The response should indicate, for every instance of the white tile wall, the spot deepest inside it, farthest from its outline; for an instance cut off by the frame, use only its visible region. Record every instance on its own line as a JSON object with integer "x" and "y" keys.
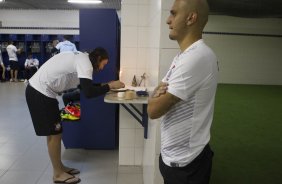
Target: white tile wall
{"x": 127, "y": 138}
{"x": 151, "y": 152}
{"x": 126, "y": 156}
{"x": 130, "y": 57}
{"x": 139, "y": 54}
{"x": 128, "y": 36}
{"x": 125, "y": 121}
{"x": 132, "y": 10}
{"x": 144, "y": 15}
{"x": 39, "y": 18}
{"x": 166, "y": 4}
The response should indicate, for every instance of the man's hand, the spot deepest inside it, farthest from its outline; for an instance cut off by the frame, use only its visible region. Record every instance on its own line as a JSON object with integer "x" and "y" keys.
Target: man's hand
{"x": 160, "y": 90}
{"x": 116, "y": 84}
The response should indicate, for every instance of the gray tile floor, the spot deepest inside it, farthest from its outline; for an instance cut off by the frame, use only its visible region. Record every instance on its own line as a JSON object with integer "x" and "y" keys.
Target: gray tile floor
{"x": 24, "y": 158}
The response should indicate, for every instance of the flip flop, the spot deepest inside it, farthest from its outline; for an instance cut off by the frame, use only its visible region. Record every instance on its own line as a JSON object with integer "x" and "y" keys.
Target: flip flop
{"x": 73, "y": 171}
{"x": 66, "y": 181}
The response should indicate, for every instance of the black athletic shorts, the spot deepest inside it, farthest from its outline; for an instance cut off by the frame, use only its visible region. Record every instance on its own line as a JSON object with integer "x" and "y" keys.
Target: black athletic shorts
{"x": 14, "y": 65}
{"x": 44, "y": 111}
{"x": 197, "y": 172}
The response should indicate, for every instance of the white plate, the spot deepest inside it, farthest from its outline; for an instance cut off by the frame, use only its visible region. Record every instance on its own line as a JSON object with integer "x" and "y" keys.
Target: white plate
{"x": 119, "y": 90}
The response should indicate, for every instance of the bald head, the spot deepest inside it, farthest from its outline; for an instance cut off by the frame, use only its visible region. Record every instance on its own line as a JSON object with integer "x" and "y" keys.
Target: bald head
{"x": 201, "y": 8}
{"x": 187, "y": 20}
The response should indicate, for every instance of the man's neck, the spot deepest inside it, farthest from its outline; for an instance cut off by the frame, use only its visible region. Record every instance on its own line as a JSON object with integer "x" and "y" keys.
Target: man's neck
{"x": 188, "y": 41}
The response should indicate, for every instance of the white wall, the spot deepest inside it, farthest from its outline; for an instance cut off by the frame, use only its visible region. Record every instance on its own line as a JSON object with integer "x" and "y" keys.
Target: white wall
{"x": 247, "y": 59}
{"x": 26, "y": 19}
{"x": 242, "y": 59}
{"x": 140, "y": 40}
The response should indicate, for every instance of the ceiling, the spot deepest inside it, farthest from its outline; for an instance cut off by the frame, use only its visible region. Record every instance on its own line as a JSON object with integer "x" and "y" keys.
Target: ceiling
{"x": 56, "y": 4}
{"x": 239, "y": 8}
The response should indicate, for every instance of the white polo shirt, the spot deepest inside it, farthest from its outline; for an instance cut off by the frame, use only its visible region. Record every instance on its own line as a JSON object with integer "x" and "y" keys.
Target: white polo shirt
{"x": 66, "y": 46}
{"x": 61, "y": 72}
{"x": 12, "y": 52}
{"x": 185, "y": 128}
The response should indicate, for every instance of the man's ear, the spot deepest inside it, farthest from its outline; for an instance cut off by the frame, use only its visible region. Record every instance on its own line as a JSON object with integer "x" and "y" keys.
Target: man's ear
{"x": 192, "y": 17}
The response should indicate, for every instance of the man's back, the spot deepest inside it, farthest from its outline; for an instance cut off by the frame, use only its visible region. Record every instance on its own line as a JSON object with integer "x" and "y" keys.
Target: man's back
{"x": 61, "y": 73}
{"x": 12, "y": 52}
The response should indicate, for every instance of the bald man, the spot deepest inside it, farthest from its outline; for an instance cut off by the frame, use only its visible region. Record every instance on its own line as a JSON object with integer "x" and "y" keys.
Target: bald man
{"x": 185, "y": 98}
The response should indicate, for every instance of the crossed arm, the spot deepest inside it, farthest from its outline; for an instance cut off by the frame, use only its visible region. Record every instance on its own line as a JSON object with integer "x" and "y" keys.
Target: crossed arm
{"x": 161, "y": 101}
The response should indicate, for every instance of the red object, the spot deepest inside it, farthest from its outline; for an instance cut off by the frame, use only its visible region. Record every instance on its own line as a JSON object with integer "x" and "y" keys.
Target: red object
{"x": 73, "y": 110}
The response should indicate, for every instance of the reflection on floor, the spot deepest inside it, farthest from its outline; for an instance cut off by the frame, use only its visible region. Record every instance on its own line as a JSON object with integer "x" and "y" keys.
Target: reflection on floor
{"x": 24, "y": 158}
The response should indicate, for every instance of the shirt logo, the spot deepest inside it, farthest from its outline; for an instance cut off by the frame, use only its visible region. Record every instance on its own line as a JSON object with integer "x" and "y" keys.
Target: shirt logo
{"x": 58, "y": 126}
{"x": 169, "y": 72}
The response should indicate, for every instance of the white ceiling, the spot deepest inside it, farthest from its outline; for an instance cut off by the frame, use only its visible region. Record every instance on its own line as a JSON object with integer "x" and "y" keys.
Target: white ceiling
{"x": 239, "y": 8}
{"x": 56, "y": 4}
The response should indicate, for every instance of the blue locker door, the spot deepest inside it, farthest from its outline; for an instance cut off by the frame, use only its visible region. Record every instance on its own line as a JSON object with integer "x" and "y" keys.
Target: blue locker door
{"x": 99, "y": 123}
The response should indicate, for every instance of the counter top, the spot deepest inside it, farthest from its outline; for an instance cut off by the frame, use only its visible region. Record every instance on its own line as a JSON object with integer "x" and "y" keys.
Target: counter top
{"x": 111, "y": 97}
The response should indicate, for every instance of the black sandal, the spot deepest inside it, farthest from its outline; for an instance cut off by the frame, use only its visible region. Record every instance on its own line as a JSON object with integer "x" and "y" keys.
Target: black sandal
{"x": 73, "y": 171}
{"x": 65, "y": 181}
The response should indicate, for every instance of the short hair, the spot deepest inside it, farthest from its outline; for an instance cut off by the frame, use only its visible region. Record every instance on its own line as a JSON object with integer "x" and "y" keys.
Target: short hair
{"x": 67, "y": 37}
{"x": 97, "y": 55}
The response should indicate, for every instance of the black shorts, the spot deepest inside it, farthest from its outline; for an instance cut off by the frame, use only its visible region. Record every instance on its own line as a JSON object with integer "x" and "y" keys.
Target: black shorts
{"x": 14, "y": 65}
{"x": 44, "y": 111}
{"x": 198, "y": 171}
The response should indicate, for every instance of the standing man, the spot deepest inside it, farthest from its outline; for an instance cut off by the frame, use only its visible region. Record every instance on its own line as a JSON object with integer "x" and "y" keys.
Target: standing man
{"x": 62, "y": 72}
{"x": 12, "y": 53}
{"x": 66, "y": 45}
{"x": 185, "y": 98}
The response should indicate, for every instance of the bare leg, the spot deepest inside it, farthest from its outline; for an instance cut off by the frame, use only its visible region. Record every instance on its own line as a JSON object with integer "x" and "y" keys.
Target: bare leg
{"x": 12, "y": 75}
{"x": 16, "y": 75}
{"x": 54, "y": 149}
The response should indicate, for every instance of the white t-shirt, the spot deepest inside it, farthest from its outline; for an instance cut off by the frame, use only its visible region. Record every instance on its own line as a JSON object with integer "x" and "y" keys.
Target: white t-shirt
{"x": 33, "y": 62}
{"x": 12, "y": 52}
{"x": 185, "y": 128}
{"x": 61, "y": 72}
{"x": 66, "y": 46}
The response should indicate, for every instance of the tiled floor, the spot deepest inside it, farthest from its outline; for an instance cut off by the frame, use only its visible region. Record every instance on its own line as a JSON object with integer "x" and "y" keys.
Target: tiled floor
{"x": 24, "y": 158}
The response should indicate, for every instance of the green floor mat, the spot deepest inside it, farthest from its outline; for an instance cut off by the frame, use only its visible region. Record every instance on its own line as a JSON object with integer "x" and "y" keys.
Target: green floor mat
{"x": 247, "y": 135}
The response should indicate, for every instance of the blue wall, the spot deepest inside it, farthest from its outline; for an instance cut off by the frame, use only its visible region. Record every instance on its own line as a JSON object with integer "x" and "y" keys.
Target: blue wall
{"x": 98, "y": 127}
